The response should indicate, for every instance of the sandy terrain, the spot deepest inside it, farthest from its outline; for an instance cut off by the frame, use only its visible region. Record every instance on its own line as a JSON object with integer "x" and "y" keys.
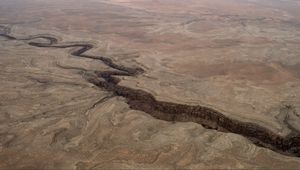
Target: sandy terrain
{"x": 149, "y": 84}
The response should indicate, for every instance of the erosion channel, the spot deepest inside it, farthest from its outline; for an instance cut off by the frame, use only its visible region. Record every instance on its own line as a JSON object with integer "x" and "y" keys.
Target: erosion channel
{"x": 144, "y": 101}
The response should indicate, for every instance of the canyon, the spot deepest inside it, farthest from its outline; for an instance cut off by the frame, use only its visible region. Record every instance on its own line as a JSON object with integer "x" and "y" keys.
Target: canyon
{"x": 149, "y": 84}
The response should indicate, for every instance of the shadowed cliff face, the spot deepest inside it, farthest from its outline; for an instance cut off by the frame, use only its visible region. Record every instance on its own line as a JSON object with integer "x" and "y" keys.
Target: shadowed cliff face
{"x": 144, "y": 101}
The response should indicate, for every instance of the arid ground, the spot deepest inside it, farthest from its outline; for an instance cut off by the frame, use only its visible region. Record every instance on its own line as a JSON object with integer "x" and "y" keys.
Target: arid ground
{"x": 149, "y": 84}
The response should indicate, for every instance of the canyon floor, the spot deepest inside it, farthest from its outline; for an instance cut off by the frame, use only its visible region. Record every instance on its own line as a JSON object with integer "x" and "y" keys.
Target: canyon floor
{"x": 150, "y": 84}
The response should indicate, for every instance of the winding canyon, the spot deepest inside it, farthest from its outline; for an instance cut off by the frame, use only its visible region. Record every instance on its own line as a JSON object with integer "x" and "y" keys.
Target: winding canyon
{"x": 143, "y": 84}
{"x": 143, "y": 101}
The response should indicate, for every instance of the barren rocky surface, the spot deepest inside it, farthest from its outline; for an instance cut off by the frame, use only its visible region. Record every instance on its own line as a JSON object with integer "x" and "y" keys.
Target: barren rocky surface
{"x": 158, "y": 84}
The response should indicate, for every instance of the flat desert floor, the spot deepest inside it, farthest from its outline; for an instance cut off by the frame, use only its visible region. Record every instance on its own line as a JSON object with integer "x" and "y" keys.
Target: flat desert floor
{"x": 149, "y": 84}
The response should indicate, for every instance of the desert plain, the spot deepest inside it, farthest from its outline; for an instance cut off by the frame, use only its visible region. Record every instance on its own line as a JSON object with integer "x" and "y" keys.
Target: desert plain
{"x": 149, "y": 84}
